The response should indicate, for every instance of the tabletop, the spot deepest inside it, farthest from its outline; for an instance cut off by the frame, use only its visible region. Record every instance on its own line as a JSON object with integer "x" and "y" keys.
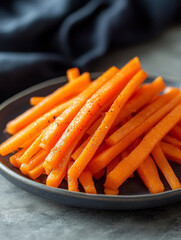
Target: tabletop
{"x": 25, "y": 216}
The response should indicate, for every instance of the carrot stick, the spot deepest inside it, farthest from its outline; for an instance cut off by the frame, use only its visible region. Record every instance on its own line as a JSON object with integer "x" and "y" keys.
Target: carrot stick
{"x": 72, "y": 74}
{"x": 36, "y": 172}
{"x": 79, "y": 150}
{"x": 15, "y": 158}
{"x": 35, "y": 100}
{"x": 124, "y": 154}
{"x": 86, "y": 180}
{"x": 95, "y": 126}
{"x": 56, "y": 176}
{"x": 165, "y": 167}
{"x": 82, "y": 133}
{"x": 176, "y": 132}
{"x": 142, "y": 97}
{"x": 76, "y": 189}
{"x": 97, "y": 101}
{"x": 118, "y": 158}
{"x": 172, "y": 152}
{"x": 15, "y": 162}
{"x": 48, "y": 103}
{"x": 172, "y": 140}
{"x": 30, "y": 141}
{"x": 99, "y": 174}
{"x": 57, "y": 128}
{"x": 129, "y": 164}
{"x": 128, "y": 150}
{"x": 34, "y": 161}
{"x": 148, "y": 172}
{"x": 104, "y": 158}
{"x": 21, "y": 137}
{"x": 32, "y": 150}
{"x": 85, "y": 157}
{"x": 110, "y": 167}
{"x": 109, "y": 191}
{"x": 139, "y": 118}
{"x": 113, "y": 164}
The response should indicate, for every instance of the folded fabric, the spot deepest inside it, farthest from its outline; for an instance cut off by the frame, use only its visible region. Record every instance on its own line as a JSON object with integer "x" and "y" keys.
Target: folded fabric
{"x": 40, "y": 39}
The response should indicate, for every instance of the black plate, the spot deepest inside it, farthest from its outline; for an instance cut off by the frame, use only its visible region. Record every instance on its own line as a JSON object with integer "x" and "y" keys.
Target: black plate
{"x": 133, "y": 193}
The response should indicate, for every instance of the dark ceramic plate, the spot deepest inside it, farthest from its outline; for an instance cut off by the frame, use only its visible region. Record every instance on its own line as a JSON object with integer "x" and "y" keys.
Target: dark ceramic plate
{"x": 133, "y": 194}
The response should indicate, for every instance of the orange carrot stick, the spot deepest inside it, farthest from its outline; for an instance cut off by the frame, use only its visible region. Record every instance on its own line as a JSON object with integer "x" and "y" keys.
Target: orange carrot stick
{"x": 69, "y": 179}
{"x": 110, "y": 167}
{"x": 72, "y": 74}
{"x": 30, "y": 141}
{"x": 85, "y": 157}
{"x": 118, "y": 158}
{"x": 48, "y": 103}
{"x": 165, "y": 167}
{"x": 38, "y": 158}
{"x": 172, "y": 140}
{"x": 147, "y": 170}
{"x": 36, "y": 172}
{"x": 172, "y": 152}
{"x": 99, "y": 99}
{"x": 56, "y": 176}
{"x": 32, "y": 150}
{"x": 139, "y": 118}
{"x": 86, "y": 180}
{"x": 142, "y": 97}
{"x": 104, "y": 158}
{"x": 99, "y": 174}
{"x": 124, "y": 154}
{"x": 109, "y": 191}
{"x": 79, "y": 150}
{"x": 128, "y": 150}
{"x": 15, "y": 158}
{"x": 176, "y": 132}
{"x": 57, "y": 128}
{"x": 35, "y": 100}
{"x": 15, "y": 162}
{"x": 113, "y": 164}
{"x": 31, "y": 130}
{"x": 95, "y": 126}
{"x": 129, "y": 164}
{"x": 78, "y": 139}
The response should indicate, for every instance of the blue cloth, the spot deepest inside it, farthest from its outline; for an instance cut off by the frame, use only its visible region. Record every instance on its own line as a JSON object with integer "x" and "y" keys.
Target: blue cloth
{"x": 39, "y": 39}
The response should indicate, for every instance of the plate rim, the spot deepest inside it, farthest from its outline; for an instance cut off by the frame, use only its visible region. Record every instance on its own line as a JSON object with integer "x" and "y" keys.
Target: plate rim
{"x": 60, "y": 191}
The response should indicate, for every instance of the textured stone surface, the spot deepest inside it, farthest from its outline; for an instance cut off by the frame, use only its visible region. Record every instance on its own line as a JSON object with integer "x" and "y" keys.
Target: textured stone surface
{"x": 25, "y": 216}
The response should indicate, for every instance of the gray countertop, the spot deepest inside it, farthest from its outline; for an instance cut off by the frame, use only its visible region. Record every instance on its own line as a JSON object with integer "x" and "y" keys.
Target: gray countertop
{"x": 25, "y": 216}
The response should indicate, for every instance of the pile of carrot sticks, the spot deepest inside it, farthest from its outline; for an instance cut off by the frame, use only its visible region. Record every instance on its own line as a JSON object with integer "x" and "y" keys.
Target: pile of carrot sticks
{"x": 111, "y": 127}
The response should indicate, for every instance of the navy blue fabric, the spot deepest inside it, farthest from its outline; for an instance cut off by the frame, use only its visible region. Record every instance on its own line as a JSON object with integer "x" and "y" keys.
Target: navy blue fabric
{"x": 39, "y": 39}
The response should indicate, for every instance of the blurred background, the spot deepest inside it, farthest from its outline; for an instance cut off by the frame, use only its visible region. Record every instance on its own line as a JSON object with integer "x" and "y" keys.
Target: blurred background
{"x": 40, "y": 39}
